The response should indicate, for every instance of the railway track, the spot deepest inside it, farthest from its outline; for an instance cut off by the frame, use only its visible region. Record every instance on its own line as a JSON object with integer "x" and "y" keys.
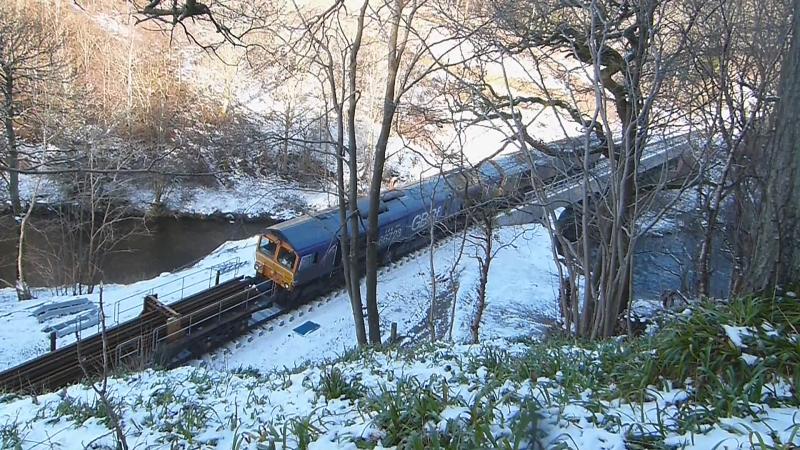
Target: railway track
{"x": 171, "y": 335}
{"x": 290, "y": 318}
{"x": 151, "y": 338}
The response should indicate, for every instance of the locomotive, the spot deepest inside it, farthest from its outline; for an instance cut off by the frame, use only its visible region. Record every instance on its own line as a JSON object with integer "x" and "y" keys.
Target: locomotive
{"x": 300, "y": 252}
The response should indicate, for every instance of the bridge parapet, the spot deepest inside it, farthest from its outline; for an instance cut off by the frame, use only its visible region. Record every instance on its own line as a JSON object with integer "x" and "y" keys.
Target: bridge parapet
{"x": 661, "y": 162}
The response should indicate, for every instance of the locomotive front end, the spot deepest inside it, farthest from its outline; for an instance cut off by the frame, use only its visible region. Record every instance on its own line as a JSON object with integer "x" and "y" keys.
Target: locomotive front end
{"x": 276, "y": 261}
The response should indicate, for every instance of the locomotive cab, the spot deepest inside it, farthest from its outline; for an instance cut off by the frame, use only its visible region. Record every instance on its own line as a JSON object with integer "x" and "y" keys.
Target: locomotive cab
{"x": 276, "y": 260}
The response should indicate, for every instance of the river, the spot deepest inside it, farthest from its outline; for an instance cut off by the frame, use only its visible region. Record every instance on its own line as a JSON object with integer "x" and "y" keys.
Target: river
{"x": 664, "y": 260}
{"x": 161, "y": 245}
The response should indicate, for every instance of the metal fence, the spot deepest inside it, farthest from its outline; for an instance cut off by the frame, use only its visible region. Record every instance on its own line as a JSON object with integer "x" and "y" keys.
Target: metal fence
{"x": 176, "y": 289}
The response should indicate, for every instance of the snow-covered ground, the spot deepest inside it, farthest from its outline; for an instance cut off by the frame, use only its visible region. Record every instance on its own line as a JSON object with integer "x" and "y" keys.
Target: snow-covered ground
{"x": 456, "y": 393}
{"x": 245, "y": 197}
{"x": 521, "y": 298}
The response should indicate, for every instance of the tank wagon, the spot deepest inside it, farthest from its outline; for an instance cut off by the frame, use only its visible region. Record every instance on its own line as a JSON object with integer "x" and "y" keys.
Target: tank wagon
{"x": 300, "y": 252}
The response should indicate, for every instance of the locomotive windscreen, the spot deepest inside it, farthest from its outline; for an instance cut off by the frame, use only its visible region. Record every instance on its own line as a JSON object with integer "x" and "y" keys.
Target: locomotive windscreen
{"x": 268, "y": 247}
{"x": 287, "y": 258}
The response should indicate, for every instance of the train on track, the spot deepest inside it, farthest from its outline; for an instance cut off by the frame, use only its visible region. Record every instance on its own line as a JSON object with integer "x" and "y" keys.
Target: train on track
{"x": 301, "y": 257}
{"x": 294, "y": 260}
{"x": 303, "y": 252}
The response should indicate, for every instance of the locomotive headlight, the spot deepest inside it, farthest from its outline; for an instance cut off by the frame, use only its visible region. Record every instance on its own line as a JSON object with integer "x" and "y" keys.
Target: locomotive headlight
{"x": 259, "y": 266}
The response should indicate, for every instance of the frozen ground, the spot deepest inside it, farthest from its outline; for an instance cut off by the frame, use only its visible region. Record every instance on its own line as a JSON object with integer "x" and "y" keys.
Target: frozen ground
{"x": 521, "y": 298}
{"x": 246, "y": 197}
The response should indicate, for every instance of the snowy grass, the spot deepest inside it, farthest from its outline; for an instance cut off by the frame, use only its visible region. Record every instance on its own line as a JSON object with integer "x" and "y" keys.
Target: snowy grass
{"x": 731, "y": 352}
{"x": 686, "y": 386}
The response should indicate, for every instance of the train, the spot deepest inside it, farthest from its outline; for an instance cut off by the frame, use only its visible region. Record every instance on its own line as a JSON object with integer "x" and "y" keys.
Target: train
{"x": 299, "y": 252}
{"x": 295, "y": 257}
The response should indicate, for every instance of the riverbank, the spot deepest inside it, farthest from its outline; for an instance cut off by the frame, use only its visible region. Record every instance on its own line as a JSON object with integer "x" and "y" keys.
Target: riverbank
{"x": 146, "y": 239}
{"x": 246, "y": 198}
{"x": 243, "y": 198}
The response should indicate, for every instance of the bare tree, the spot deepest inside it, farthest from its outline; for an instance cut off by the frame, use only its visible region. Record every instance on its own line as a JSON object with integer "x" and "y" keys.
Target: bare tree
{"x": 395, "y": 48}
{"x": 484, "y": 241}
{"x": 23, "y": 290}
{"x": 454, "y": 270}
{"x": 231, "y": 22}
{"x": 733, "y": 54}
{"x": 289, "y": 122}
{"x": 776, "y": 256}
{"x": 486, "y": 245}
{"x": 622, "y": 53}
{"x": 92, "y": 226}
{"x": 101, "y": 388}
{"x": 413, "y": 55}
{"x": 345, "y": 65}
{"x": 353, "y": 212}
{"x": 331, "y": 42}
{"x": 31, "y": 56}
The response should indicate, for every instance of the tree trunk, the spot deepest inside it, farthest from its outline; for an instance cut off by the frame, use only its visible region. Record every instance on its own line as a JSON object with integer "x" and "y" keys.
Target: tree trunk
{"x": 23, "y": 290}
{"x": 776, "y": 257}
{"x": 23, "y": 293}
{"x": 355, "y": 215}
{"x": 432, "y": 265}
{"x": 344, "y": 240}
{"x": 11, "y": 143}
{"x": 484, "y": 263}
{"x": 619, "y": 273}
{"x": 342, "y": 194}
{"x": 455, "y": 283}
{"x": 389, "y": 108}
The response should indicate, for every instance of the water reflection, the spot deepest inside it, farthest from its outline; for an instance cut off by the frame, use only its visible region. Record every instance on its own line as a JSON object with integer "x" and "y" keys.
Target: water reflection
{"x": 142, "y": 250}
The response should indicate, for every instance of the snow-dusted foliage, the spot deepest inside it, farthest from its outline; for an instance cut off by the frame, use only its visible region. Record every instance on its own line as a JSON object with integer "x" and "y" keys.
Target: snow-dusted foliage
{"x": 497, "y": 395}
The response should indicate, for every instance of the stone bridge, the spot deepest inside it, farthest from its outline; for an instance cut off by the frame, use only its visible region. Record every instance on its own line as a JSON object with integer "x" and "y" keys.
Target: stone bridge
{"x": 664, "y": 163}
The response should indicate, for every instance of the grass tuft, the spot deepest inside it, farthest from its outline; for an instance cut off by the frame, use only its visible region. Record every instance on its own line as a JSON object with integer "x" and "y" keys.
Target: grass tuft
{"x": 333, "y": 385}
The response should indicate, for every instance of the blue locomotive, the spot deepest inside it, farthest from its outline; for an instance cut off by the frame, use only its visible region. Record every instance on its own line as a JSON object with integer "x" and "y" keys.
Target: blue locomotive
{"x": 298, "y": 252}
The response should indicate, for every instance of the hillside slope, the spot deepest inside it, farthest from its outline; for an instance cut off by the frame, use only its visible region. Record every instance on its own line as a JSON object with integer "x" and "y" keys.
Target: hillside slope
{"x": 557, "y": 395}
